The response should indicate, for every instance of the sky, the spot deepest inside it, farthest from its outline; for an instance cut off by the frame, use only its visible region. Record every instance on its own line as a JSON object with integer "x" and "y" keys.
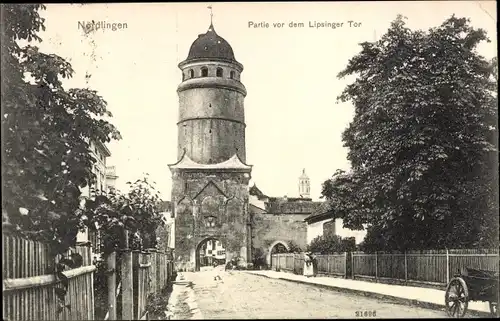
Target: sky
{"x": 292, "y": 115}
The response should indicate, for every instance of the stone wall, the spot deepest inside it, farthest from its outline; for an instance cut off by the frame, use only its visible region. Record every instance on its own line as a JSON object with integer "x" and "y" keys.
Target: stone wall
{"x": 268, "y": 228}
{"x": 203, "y": 198}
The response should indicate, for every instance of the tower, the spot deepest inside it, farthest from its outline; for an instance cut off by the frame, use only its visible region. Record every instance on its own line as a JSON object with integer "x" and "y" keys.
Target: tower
{"x": 304, "y": 185}
{"x": 210, "y": 178}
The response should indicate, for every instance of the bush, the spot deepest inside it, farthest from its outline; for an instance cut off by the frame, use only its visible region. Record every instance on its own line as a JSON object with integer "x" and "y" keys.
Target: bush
{"x": 294, "y": 247}
{"x": 259, "y": 259}
{"x": 330, "y": 244}
{"x": 157, "y": 306}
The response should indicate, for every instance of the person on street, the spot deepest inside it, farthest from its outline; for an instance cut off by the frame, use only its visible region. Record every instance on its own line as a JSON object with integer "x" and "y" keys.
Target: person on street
{"x": 308, "y": 264}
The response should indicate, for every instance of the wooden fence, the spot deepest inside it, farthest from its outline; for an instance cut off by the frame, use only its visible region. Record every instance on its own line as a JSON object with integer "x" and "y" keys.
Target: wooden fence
{"x": 29, "y": 288}
{"x": 433, "y": 267}
{"x": 151, "y": 271}
{"x": 331, "y": 264}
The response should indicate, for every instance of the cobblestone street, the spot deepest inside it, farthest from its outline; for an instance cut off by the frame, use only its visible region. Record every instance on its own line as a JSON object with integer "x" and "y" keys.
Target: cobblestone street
{"x": 242, "y": 296}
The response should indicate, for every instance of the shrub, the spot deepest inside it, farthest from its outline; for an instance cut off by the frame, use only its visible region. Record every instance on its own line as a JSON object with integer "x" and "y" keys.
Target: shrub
{"x": 329, "y": 244}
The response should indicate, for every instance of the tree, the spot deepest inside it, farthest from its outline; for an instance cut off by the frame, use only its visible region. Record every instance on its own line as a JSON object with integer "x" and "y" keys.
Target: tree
{"x": 331, "y": 244}
{"x": 423, "y": 141}
{"x": 137, "y": 212}
{"x": 46, "y": 131}
{"x": 294, "y": 247}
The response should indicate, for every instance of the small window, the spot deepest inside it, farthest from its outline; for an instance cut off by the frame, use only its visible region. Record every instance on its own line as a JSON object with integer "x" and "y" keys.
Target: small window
{"x": 231, "y": 75}
{"x": 204, "y": 72}
{"x": 191, "y": 73}
{"x": 210, "y": 223}
{"x": 220, "y": 72}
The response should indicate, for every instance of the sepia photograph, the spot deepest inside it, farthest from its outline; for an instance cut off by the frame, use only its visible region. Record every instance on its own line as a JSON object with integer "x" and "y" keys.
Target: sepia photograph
{"x": 250, "y": 160}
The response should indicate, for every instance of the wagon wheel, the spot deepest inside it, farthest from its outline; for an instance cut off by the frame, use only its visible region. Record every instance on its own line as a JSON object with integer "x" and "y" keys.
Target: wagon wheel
{"x": 494, "y": 309}
{"x": 456, "y": 298}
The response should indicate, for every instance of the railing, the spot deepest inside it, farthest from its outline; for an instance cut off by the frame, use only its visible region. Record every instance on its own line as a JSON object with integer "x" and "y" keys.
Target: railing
{"x": 29, "y": 288}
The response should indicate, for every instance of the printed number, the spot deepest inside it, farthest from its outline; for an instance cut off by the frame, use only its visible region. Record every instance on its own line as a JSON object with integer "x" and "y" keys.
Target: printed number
{"x": 364, "y": 314}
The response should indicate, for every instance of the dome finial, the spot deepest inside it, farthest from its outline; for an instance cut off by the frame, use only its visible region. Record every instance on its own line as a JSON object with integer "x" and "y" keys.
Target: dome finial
{"x": 211, "y": 15}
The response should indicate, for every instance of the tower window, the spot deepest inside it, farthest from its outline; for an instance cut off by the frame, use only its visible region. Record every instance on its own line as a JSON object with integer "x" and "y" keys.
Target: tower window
{"x": 231, "y": 75}
{"x": 191, "y": 73}
{"x": 204, "y": 72}
{"x": 219, "y": 72}
{"x": 210, "y": 222}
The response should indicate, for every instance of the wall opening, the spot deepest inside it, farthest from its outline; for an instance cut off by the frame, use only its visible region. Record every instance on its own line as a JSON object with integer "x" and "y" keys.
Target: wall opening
{"x": 231, "y": 75}
{"x": 204, "y": 72}
{"x": 210, "y": 253}
{"x": 219, "y": 72}
{"x": 276, "y": 248}
{"x": 191, "y": 73}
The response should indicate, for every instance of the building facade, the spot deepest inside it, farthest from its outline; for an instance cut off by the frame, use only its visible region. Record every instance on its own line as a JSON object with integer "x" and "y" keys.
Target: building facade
{"x": 278, "y": 222}
{"x": 212, "y": 252}
{"x": 323, "y": 222}
{"x": 111, "y": 178}
{"x": 210, "y": 178}
{"x": 100, "y": 152}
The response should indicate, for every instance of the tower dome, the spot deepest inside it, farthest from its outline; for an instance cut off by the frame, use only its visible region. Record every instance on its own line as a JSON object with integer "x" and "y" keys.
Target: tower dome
{"x": 211, "y": 46}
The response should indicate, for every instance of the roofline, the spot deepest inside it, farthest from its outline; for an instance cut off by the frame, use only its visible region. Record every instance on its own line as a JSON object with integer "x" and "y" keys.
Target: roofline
{"x": 314, "y": 218}
{"x": 244, "y": 170}
{"x": 103, "y": 147}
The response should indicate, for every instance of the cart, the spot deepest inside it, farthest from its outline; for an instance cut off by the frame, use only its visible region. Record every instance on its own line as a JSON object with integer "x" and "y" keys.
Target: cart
{"x": 471, "y": 285}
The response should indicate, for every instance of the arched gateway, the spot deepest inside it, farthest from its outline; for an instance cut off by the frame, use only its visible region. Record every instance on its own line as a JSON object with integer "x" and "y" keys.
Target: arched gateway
{"x": 210, "y": 179}
{"x": 274, "y": 245}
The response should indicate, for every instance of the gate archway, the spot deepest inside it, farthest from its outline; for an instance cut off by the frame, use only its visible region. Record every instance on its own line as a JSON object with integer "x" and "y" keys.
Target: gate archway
{"x": 209, "y": 251}
{"x": 275, "y": 245}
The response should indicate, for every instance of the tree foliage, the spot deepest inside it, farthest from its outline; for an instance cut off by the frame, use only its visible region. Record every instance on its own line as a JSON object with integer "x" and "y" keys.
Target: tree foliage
{"x": 293, "y": 247}
{"x": 137, "y": 212}
{"x": 331, "y": 244}
{"x": 423, "y": 143}
{"x": 46, "y": 131}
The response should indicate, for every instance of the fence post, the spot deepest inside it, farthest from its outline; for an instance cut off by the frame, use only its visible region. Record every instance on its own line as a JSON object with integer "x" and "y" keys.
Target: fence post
{"x": 127, "y": 282}
{"x": 406, "y": 269}
{"x": 447, "y": 266}
{"x": 376, "y": 267}
{"x": 111, "y": 270}
{"x": 345, "y": 265}
{"x": 352, "y": 264}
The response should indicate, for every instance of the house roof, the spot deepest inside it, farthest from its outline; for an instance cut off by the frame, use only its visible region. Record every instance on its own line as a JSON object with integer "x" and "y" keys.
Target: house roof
{"x": 255, "y": 191}
{"x": 283, "y": 206}
{"x": 322, "y": 212}
{"x": 103, "y": 148}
